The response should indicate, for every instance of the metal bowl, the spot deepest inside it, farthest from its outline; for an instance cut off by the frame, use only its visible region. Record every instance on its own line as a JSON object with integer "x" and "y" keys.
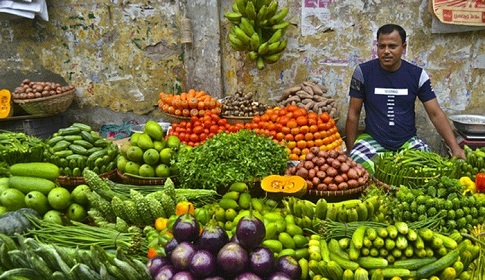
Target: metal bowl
{"x": 140, "y": 127}
{"x": 472, "y": 124}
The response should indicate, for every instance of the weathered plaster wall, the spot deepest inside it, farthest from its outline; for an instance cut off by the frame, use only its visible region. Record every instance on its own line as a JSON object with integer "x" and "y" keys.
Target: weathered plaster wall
{"x": 121, "y": 54}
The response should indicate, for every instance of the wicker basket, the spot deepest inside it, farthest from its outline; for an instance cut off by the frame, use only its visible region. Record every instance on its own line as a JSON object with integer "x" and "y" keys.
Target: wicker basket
{"x": 143, "y": 181}
{"x": 173, "y": 118}
{"x": 234, "y": 120}
{"x": 333, "y": 196}
{"x": 71, "y": 182}
{"x": 52, "y": 105}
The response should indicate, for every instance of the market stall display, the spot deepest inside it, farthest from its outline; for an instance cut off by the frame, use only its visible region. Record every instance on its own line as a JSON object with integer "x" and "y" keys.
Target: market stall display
{"x": 180, "y": 107}
{"x": 420, "y": 230}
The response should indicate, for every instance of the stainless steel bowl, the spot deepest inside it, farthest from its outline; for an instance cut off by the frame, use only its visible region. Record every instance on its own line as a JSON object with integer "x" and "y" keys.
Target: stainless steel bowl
{"x": 140, "y": 127}
{"x": 472, "y": 124}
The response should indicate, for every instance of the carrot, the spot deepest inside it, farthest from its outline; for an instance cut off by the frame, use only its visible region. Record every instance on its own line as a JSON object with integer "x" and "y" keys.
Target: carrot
{"x": 200, "y": 94}
{"x": 191, "y": 93}
{"x": 183, "y": 96}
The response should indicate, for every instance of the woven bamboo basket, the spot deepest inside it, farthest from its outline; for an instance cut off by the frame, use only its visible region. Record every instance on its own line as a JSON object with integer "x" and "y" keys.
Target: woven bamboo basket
{"x": 71, "y": 182}
{"x": 143, "y": 181}
{"x": 339, "y": 195}
{"x": 51, "y": 105}
{"x": 171, "y": 118}
{"x": 233, "y": 120}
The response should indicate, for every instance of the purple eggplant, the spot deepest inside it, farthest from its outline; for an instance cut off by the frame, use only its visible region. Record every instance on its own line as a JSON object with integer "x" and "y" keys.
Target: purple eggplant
{"x": 171, "y": 244}
{"x": 280, "y": 276}
{"x": 183, "y": 275}
{"x": 250, "y": 232}
{"x": 154, "y": 264}
{"x": 181, "y": 255}
{"x": 212, "y": 238}
{"x": 248, "y": 276}
{"x": 261, "y": 261}
{"x": 202, "y": 264}
{"x": 186, "y": 228}
{"x": 232, "y": 259}
{"x": 289, "y": 266}
{"x": 165, "y": 273}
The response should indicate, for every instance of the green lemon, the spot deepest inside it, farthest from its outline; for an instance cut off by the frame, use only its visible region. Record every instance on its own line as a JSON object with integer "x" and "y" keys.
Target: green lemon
{"x": 166, "y": 155}
{"x": 132, "y": 167}
{"x": 159, "y": 145}
{"x": 145, "y": 142}
{"x": 173, "y": 142}
{"x": 37, "y": 201}
{"x": 12, "y": 199}
{"x": 121, "y": 163}
{"x": 76, "y": 212}
{"x": 79, "y": 194}
{"x": 134, "y": 138}
{"x": 151, "y": 156}
{"x": 162, "y": 170}
{"x": 154, "y": 130}
{"x": 59, "y": 198}
{"x": 146, "y": 170}
{"x": 134, "y": 153}
{"x": 54, "y": 216}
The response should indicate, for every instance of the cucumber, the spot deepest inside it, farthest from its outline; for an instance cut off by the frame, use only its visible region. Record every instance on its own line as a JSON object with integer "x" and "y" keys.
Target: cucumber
{"x": 45, "y": 170}
{"x": 26, "y": 184}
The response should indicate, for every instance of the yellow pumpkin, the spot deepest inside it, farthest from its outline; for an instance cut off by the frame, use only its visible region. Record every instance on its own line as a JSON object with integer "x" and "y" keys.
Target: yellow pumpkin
{"x": 6, "y": 108}
{"x": 292, "y": 185}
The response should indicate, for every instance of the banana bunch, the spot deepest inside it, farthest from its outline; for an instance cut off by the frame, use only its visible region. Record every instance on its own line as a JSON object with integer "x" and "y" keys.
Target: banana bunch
{"x": 257, "y": 28}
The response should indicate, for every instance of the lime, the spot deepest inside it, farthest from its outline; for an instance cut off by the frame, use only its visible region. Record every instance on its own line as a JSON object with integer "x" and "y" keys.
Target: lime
{"x": 53, "y": 216}
{"x": 121, "y": 162}
{"x": 79, "y": 194}
{"x": 151, "y": 156}
{"x": 12, "y": 199}
{"x": 154, "y": 130}
{"x": 134, "y": 153}
{"x": 59, "y": 198}
{"x": 145, "y": 142}
{"x": 166, "y": 155}
{"x": 132, "y": 167}
{"x": 76, "y": 212}
{"x": 159, "y": 145}
{"x": 37, "y": 201}
{"x": 162, "y": 170}
{"x": 173, "y": 142}
{"x": 146, "y": 170}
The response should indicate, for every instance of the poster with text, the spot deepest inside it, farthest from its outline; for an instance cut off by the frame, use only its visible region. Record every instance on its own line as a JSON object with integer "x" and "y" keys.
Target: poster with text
{"x": 464, "y": 12}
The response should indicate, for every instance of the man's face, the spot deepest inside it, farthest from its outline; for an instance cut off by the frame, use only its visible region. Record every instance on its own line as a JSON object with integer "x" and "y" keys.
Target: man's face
{"x": 389, "y": 50}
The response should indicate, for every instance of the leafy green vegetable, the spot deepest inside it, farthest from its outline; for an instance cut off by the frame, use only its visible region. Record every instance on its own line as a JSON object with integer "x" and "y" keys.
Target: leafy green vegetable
{"x": 242, "y": 156}
{"x": 19, "y": 147}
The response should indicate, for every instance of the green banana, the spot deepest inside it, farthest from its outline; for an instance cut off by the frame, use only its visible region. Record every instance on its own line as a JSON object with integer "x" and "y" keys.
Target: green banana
{"x": 234, "y": 7}
{"x": 272, "y": 9}
{"x": 247, "y": 26}
{"x": 259, "y": 4}
{"x": 263, "y": 48}
{"x": 270, "y": 59}
{"x": 245, "y": 39}
{"x": 255, "y": 42}
{"x": 279, "y": 16}
{"x": 276, "y": 36}
{"x": 234, "y": 17}
{"x": 253, "y": 55}
{"x": 321, "y": 208}
{"x": 262, "y": 13}
{"x": 250, "y": 10}
{"x": 235, "y": 43}
{"x": 260, "y": 63}
{"x": 282, "y": 25}
{"x": 241, "y": 6}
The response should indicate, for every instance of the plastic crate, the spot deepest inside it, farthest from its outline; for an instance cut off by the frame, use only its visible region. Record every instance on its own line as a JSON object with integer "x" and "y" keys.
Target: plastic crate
{"x": 42, "y": 126}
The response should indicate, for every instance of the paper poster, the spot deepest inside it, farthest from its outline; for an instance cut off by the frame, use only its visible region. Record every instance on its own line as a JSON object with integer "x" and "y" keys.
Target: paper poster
{"x": 464, "y": 12}
{"x": 315, "y": 16}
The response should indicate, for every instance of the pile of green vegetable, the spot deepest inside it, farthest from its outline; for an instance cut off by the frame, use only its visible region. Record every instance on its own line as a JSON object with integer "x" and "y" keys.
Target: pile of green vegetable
{"x": 18, "y": 147}
{"x": 242, "y": 156}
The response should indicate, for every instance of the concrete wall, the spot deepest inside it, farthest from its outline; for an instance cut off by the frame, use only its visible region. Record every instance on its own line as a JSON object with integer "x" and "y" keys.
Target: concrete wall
{"x": 121, "y": 54}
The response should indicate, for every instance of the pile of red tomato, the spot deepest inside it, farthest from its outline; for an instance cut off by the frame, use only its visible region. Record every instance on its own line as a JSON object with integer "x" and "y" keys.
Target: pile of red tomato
{"x": 291, "y": 126}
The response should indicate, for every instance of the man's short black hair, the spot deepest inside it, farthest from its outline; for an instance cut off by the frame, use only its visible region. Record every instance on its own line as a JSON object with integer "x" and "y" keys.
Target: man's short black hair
{"x": 389, "y": 28}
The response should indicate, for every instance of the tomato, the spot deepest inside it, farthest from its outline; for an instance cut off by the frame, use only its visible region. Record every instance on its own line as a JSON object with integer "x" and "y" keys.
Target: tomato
{"x": 198, "y": 129}
{"x": 214, "y": 129}
{"x": 202, "y": 136}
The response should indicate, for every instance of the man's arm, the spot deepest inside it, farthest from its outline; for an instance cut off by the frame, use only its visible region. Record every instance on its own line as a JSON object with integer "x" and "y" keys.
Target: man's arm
{"x": 352, "y": 122}
{"x": 440, "y": 122}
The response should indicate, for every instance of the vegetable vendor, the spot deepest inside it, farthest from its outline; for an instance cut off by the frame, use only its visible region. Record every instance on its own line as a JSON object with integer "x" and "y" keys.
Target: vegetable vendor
{"x": 387, "y": 87}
